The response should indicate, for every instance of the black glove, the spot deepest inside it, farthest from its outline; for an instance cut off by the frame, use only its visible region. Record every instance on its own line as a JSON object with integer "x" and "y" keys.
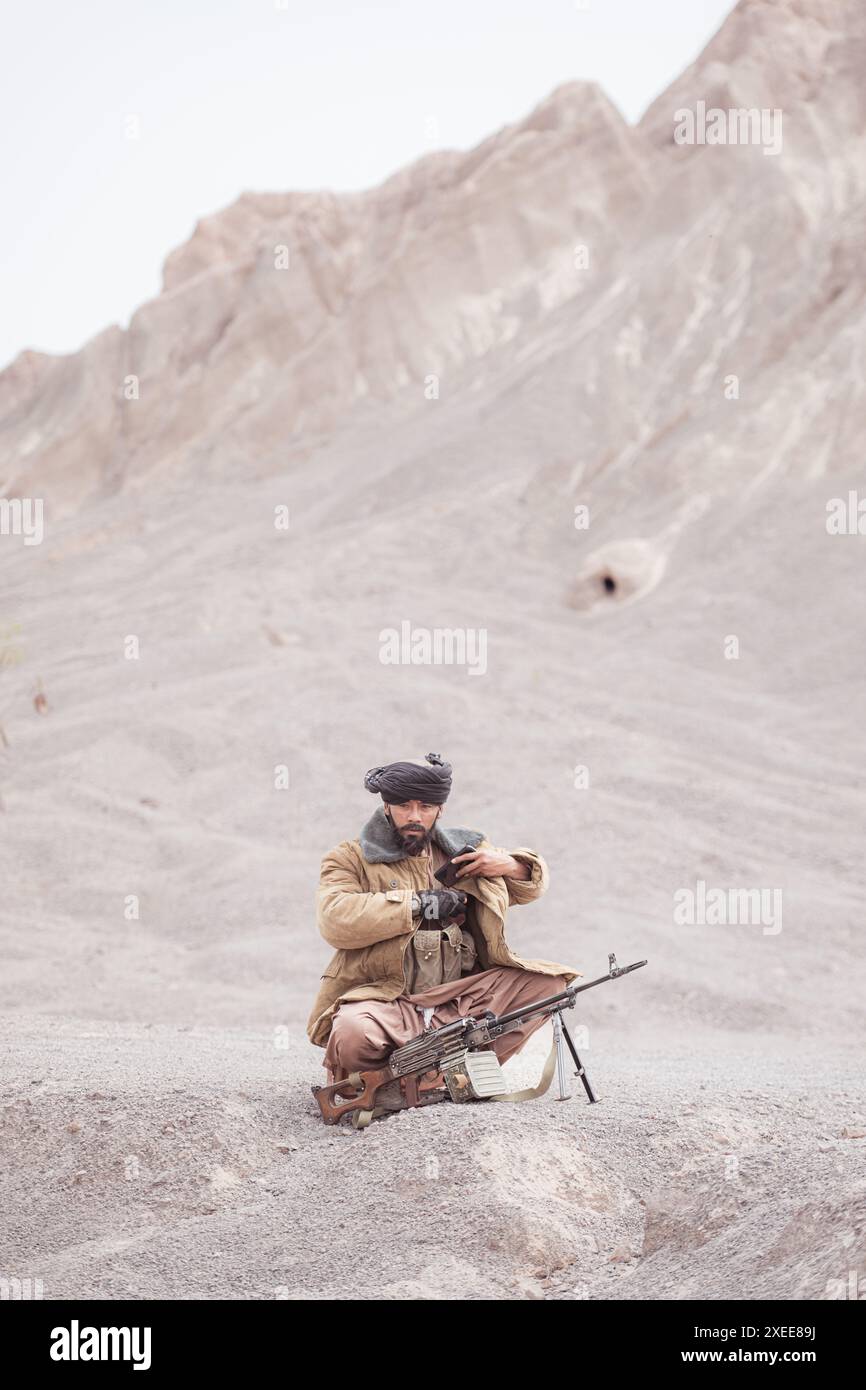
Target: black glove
{"x": 438, "y": 905}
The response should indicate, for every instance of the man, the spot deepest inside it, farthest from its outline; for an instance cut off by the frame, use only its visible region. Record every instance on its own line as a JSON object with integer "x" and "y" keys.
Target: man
{"x": 409, "y": 953}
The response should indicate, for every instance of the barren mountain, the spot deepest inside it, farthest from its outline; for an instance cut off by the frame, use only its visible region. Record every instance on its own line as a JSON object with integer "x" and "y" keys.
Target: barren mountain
{"x": 432, "y": 376}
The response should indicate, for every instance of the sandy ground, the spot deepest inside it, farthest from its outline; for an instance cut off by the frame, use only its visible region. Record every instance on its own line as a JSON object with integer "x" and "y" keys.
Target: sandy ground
{"x": 184, "y": 1163}
{"x": 724, "y": 1160}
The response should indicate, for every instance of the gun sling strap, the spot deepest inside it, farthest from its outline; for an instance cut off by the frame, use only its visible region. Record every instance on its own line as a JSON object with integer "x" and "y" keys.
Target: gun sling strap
{"x": 362, "y": 1118}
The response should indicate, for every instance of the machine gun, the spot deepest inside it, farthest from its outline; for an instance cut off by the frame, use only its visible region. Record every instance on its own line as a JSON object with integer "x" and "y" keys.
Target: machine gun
{"x": 462, "y": 1052}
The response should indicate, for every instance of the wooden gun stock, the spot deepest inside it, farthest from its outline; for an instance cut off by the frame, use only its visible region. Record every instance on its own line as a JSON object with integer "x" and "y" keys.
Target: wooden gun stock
{"x": 359, "y": 1086}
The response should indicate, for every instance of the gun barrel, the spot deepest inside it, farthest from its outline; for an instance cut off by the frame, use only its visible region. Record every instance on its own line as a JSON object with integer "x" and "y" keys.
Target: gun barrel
{"x": 566, "y": 997}
{"x": 433, "y": 1047}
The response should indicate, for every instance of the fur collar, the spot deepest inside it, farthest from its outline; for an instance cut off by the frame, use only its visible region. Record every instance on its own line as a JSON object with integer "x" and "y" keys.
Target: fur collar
{"x": 378, "y": 847}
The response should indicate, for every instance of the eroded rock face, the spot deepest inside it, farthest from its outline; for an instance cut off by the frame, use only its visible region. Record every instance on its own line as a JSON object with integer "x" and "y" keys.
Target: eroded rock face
{"x": 603, "y": 303}
{"x": 284, "y": 311}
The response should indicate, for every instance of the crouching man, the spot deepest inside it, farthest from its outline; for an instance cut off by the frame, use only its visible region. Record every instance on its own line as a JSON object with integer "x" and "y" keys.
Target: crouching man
{"x": 409, "y": 953}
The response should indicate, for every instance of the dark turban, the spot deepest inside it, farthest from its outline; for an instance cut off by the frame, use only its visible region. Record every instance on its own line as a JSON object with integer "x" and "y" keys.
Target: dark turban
{"x": 412, "y": 781}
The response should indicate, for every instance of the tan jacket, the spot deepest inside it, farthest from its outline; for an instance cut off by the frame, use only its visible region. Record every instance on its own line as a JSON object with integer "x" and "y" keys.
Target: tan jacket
{"x": 364, "y": 910}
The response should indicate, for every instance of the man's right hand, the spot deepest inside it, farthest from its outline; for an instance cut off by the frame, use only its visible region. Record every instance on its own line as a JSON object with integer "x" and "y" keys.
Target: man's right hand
{"x": 439, "y": 905}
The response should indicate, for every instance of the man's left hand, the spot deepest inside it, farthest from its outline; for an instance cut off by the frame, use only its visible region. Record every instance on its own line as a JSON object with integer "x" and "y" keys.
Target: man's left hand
{"x": 486, "y": 863}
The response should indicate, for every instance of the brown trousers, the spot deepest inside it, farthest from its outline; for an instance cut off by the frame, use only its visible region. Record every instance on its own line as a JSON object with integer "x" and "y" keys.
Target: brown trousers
{"x": 365, "y": 1031}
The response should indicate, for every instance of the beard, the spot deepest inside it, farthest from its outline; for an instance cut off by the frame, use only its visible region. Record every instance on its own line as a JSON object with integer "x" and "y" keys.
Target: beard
{"x": 413, "y": 844}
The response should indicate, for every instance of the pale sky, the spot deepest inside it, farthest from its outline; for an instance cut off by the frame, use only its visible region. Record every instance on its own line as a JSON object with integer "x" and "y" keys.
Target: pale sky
{"x": 264, "y": 95}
